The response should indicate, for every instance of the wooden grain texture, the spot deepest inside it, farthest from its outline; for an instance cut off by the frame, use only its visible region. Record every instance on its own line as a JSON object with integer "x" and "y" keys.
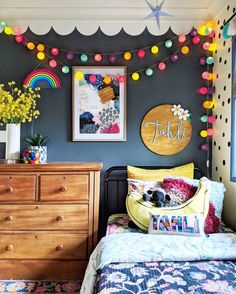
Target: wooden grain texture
{"x": 42, "y": 269}
{"x": 52, "y": 166}
{"x": 43, "y": 245}
{"x": 63, "y": 187}
{"x": 163, "y": 133}
{"x": 49, "y": 235}
{"x": 44, "y": 217}
{"x": 17, "y": 188}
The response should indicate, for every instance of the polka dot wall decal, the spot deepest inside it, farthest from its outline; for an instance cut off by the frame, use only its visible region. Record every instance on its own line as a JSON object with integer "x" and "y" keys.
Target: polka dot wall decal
{"x": 219, "y": 148}
{"x": 229, "y": 76}
{"x": 218, "y": 22}
{"x": 224, "y": 43}
{"x": 216, "y": 168}
{"x": 234, "y": 9}
{"x": 223, "y": 104}
{"x": 224, "y": 88}
{"x": 214, "y": 143}
{"x": 221, "y": 116}
{"x": 219, "y": 96}
{"x": 220, "y": 59}
{"x": 223, "y": 162}
{"x": 226, "y": 120}
{"x": 229, "y": 100}
{"x": 228, "y": 7}
{"x": 220, "y": 179}
{"x": 223, "y": 134}
{"x": 229, "y": 49}
{"x": 225, "y": 62}
{"x": 229, "y": 144}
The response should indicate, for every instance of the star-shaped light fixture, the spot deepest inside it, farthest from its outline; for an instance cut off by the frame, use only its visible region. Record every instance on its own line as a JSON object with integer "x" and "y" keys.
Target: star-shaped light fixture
{"x": 156, "y": 12}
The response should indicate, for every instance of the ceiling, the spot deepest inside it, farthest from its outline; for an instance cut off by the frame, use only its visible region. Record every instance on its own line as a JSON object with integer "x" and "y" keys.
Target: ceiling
{"x": 110, "y": 15}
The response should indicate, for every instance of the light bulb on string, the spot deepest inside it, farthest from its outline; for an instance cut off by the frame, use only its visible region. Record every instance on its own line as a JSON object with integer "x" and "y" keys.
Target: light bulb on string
{"x": 174, "y": 57}
{"x": 40, "y": 55}
{"x": 204, "y": 118}
{"x": 202, "y": 60}
{"x": 154, "y": 49}
{"x": 168, "y": 43}
{"x": 141, "y": 53}
{"x": 211, "y": 119}
{"x": 149, "y": 72}
{"x": 185, "y": 50}
{"x": 112, "y": 58}
{"x": 19, "y": 39}
{"x": 30, "y": 45}
{"x": 127, "y": 55}
{"x": 196, "y": 40}
{"x": 97, "y": 57}
{"x": 40, "y": 47}
{"x": 135, "y": 76}
{"x": 84, "y": 57}
{"x": 205, "y": 147}
{"x": 162, "y": 66}
{"x": 207, "y": 104}
{"x": 65, "y": 69}
{"x": 182, "y": 38}
{"x": 54, "y": 51}
{"x": 203, "y": 90}
{"x": 53, "y": 63}
{"x": 203, "y": 133}
{"x": 69, "y": 55}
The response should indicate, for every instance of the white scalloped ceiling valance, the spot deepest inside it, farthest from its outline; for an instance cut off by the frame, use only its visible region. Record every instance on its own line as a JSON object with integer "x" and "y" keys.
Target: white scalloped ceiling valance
{"x": 110, "y": 15}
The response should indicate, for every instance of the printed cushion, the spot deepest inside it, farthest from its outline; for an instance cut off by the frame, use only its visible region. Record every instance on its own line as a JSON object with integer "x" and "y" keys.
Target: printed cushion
{"x": 139, "y": 210}
{"x": 141, "y": 186}
{"x": 213, "y": 220}
{"x": 137, "y": 173}
{"x": 189, "y": 224}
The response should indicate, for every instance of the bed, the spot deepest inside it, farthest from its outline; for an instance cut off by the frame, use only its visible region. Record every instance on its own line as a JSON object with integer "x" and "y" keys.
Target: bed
{"x": 127, "y": 260}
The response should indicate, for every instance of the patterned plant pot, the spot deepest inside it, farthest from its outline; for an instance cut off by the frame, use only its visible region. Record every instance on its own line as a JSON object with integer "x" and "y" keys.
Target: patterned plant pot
{"x": 42, "y": 150}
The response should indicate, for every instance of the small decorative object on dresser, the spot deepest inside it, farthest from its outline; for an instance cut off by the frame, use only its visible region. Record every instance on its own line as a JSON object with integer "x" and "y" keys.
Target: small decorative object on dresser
{"x": 48, "y": 219}
{"x": 37, "y": 145}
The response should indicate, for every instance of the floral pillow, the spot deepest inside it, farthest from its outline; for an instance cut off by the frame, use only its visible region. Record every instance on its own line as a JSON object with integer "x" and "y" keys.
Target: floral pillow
{"x": 184, "y": 188}
{"x": 142, "y": 186}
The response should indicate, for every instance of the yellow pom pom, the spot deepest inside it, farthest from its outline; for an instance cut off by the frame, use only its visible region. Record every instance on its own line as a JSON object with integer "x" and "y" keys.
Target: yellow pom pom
{"x": 154, "y": 49}
{"x": 8, "y": 31}
{"x": 208, "y": 104}
{"x": 185, "y": 49}
{"x": 40, "y": 55}
{"x": 135, "y": 76}
{"x": 203, "y": 133}
{"x": 30, "y": 46}
{"x": 40, "y": 47}
{"x": 127, "y": 56}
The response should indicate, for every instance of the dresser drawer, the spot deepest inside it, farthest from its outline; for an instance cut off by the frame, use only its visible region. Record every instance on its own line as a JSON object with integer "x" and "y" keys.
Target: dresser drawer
{"x": 64, "y": 187}
{"x": 44, "y": 217}
{"x": 17, "y": 188}
{"x": 43, "y": 245}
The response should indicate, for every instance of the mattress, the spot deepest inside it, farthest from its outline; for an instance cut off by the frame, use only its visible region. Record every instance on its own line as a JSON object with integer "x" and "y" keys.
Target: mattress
{"x": 214, "y": 276}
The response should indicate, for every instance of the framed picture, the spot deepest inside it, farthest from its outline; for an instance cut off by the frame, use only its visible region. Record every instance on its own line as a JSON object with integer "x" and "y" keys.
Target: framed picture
{"x": 99, "y": 103}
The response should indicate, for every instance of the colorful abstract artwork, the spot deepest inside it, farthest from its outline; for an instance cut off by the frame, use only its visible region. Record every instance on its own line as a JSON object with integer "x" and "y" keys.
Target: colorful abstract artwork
{"x": 99, "y": 103}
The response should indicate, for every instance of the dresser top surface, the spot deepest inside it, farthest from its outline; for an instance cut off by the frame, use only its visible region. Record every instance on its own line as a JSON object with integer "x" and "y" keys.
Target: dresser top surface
{"x": 54, "y": 166}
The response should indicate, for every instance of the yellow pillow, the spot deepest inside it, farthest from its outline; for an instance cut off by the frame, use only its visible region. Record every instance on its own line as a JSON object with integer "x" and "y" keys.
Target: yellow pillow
{"x": 137, "y": 173}
{"x": 139, "y": 210}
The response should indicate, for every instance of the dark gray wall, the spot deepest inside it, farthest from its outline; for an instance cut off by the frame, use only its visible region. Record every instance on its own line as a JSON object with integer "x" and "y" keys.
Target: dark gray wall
{"x": 177, "y": 84}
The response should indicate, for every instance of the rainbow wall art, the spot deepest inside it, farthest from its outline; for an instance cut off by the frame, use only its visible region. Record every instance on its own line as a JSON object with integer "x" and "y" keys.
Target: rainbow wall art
{"x": 42, "y": 78}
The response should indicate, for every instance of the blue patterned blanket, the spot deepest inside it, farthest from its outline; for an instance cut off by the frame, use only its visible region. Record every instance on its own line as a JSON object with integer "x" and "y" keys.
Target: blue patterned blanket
{"x": 135, "y": 248}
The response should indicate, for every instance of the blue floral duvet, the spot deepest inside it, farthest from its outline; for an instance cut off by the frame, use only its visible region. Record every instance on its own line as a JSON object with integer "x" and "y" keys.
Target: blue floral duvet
{"x": 128, "y": 261}
{"x": 168, "y": 277}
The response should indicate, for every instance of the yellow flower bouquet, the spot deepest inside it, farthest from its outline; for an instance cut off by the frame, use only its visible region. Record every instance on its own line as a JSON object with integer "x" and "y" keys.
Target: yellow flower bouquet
{"x": 18, "y": 105}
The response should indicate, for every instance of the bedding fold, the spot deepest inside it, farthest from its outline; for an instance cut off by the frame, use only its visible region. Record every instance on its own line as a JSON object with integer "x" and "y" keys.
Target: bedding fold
{"x": 136, "y": 247}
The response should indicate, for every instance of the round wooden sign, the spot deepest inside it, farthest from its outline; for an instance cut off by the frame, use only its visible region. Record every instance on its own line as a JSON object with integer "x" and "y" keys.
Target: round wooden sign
{"x": 164, "y": 131}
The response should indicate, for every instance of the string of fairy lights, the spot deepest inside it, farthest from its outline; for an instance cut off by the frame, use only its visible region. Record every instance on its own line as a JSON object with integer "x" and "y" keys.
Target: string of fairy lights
{"x": 51, "y": 57}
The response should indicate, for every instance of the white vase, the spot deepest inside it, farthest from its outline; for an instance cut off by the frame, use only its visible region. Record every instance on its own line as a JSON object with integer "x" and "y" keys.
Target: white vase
{"x": 13, "y": 141}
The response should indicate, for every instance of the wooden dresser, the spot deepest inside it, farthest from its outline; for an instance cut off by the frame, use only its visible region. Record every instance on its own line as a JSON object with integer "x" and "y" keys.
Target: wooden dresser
{"x": 48, "y": 219}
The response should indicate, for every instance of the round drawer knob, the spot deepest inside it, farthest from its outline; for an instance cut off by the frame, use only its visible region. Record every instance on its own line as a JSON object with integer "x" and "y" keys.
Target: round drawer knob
{"x": 63, "y": 189}
{"x": 9, "y": 190}
{"x": 9, "y": 247}
{"x": 60, "y": 218}
{"x": 9, "y": 218}
{"x": 59, "y": 247}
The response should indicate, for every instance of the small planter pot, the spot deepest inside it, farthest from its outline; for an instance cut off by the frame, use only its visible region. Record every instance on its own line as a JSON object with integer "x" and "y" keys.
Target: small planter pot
{"x": 42, "y": 150}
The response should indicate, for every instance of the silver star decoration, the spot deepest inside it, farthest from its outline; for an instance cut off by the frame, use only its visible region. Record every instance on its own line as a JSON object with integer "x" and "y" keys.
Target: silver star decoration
{"x": 156, "y": 12}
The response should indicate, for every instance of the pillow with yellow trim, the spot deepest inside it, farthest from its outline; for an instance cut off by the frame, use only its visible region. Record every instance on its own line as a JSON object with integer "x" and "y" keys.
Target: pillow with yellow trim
{"x": 186, "y": 170}
{"x": 139, "y": 210}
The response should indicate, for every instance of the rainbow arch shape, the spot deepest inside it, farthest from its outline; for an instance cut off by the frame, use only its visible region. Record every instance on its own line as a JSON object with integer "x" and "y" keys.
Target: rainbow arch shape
{"x": 42, "y": 76}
